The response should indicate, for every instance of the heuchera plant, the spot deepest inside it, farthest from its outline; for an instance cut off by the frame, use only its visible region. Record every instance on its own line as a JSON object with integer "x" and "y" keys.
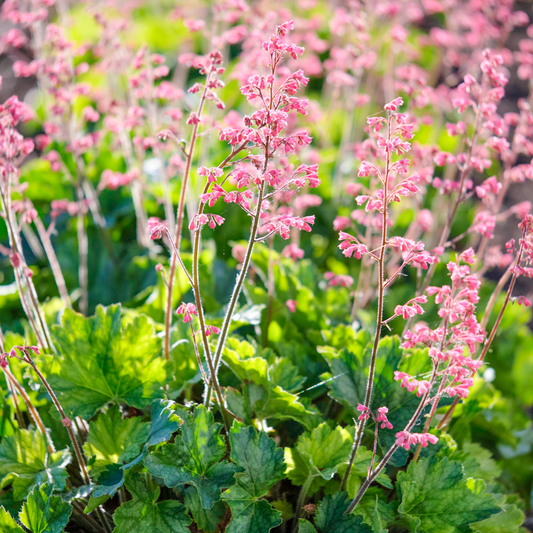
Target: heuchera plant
{"x": 201, "y": 331}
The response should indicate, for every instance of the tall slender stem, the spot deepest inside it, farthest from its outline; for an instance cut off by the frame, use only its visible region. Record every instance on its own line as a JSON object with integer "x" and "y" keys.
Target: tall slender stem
{"x": 29, "y": 405}
{"x": 83, "y": 251}
{"x": 179, "y": 220}
{"x": 379, "y": 320}
{"x": 54, "y": 263}
{"x": 386, "y": 458}
{"x": 301, "y": 500}
{"x": 67, "y": 423}
{"x": 238, "y": 285}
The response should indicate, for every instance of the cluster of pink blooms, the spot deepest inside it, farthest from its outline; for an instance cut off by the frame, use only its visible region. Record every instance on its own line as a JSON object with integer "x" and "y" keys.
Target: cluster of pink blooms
{"x": 406, "y": 439}
{"x": 380, "y": 418}
{"x": 455, "y": 342}
{"x": 256, "y": 177}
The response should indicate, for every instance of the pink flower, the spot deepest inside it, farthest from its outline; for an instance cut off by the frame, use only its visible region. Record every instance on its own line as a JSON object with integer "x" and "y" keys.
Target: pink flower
{"x": 293, "y": 251}
{"x": 291, "y": 305}
{"x": 187, "y": 310}
{"x": 210, "y": 330}
{"x": 382, "y": 417}
{"x": 394, "y": 105}
{"x": 156, "y": 228}
{"x": 365, "y": 412}
{"x": 406, "y": 439}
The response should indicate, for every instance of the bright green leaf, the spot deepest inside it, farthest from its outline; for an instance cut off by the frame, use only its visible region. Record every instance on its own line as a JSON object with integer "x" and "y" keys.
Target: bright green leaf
{"x": 103, "y": 362}
{"x": 44, "y": 513}
{"x": 375, "y": 510}
{"x": 112, "y": 439}
{"x": 144, "y": 514}
{"x": 25, "y": 461}
{"x": 304, "y": 526}
{"x": 272, "y": 401}
{"x": 508, "y": 520}
{"x": 8, "y": 524}
{"x": 319, "y": 455}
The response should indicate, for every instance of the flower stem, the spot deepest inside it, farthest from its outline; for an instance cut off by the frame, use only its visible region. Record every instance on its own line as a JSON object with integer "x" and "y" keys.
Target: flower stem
{"x": 386, "y": 458}
{"x": 379, "y": 320}
{"x": 179, "y": 220}
{"x": 77, "y": 450}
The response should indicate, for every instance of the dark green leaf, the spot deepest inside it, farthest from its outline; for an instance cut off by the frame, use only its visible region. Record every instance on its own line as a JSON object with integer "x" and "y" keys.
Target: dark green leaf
{"x": 436, "y": 498}
{"x": 349, "y": 388}
{"x": 263, "y": 466}
{"x": 192, "y": 458}
{"x": 330, "y": 516}
{"x": 164, "y": 422}
{"x": 206, "y": 519}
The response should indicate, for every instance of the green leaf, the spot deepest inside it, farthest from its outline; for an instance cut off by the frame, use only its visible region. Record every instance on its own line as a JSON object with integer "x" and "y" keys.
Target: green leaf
{"x": 143, "y": 514}
{"x": 44, "y": 513}
{"x": 103, "y": 361}
{"x": 304, "y": 526}
{"x": 271, "y": 401}
{"x": 375, "y": 510}
{"x": 377, "y": 522}
{"x": 263, "y": 466}
{"x": 330, "y": 516}
{"x": 206, "y": 519}
{"x": 286, "y": 375}
{"x": 164, "y": 422}
{"x": 109, "y": 481}
{"x": 509, "y": 521}
{"x": 25, "y": 462}
{"x": 112, "y": 439}
{"x": 192, "y": 459}
{"x": 8, "y": 524}
{"x": 318, "y": 454}
{"x": 283, "y": 405}
{"x": 435, "y": 497}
